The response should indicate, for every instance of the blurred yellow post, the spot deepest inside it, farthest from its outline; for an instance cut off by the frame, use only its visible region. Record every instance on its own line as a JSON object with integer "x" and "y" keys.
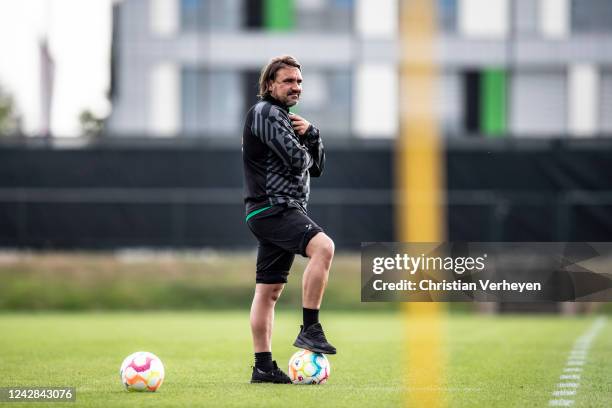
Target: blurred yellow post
{"x": 420, "y": 189}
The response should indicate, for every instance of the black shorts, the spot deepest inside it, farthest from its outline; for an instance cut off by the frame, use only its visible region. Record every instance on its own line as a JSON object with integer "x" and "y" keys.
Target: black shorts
{"x": 282, "y": 232}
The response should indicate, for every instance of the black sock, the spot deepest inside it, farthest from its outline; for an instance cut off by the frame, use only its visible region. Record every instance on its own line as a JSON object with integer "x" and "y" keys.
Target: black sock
{"x": 311, "y": 316}
{"x": 263, "y": 361}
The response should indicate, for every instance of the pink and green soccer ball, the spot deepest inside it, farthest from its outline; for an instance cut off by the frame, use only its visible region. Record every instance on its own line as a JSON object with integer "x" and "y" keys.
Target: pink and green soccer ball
{"x": 306, "y": 367}
{"x": 142, "y": 371}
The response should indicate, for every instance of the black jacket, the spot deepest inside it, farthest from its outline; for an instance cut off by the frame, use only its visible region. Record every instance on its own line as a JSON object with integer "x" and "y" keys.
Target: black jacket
{"x": 277, "y": 162}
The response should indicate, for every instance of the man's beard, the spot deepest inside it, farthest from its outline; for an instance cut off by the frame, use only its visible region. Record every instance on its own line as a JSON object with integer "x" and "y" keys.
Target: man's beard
{"x": 291, "y": 101}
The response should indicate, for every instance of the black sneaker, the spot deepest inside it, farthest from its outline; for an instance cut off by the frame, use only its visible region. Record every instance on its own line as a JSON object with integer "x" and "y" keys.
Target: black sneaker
{"x": 275, "y": 376}
{"x": 313, "y": 339}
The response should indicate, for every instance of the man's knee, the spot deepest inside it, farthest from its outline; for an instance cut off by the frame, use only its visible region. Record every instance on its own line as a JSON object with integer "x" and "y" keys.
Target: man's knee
{"x": 273, "y": 296}
{"x": 270, "y": 292}
{"x": 328, "y": 248}
{"x": 321, "y": 246}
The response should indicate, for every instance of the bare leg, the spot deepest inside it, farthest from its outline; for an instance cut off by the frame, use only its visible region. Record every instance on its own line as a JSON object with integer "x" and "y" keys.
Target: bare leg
{"x": 320, "y": 250}
{"x": 262, "y": 314}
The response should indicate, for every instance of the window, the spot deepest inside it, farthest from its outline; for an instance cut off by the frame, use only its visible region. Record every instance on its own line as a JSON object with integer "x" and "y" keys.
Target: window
{"x": 539, "y": 103}
{"x": 591, "y": 16}
{"x": 328, "y": 15}
{"x": 211, "y": 103}
{"x": 193, "y": 13}
{"x": 202, "y": 15}
{"x": 605, "y": 112}
{"x": 299, "y": 15}
{"x": 447, "y": 16}
{"x": 326, "y": 100}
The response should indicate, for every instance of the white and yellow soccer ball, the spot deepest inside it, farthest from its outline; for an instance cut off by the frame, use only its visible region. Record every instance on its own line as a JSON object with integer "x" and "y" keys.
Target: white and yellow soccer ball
{"x": 307, "y": 367}
{"x": 142, "y": 371}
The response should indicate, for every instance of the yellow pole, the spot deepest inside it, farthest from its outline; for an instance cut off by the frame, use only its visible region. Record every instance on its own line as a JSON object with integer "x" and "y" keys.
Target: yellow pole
{"x": 420, "y": 189}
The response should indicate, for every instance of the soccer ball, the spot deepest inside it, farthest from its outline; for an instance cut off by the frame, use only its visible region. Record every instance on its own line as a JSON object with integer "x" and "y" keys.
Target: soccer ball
{"x": 307, "y": 367}
{"x": 142, "y": 371}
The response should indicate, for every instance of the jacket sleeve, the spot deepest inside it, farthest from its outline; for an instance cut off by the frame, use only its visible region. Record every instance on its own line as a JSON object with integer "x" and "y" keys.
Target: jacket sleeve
{"x": 275, "y": 131}
{"x": 314, "y": 144}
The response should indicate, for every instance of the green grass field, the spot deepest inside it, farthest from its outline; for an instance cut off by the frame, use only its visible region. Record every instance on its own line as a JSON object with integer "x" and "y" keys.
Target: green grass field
{"x": 491, "y": 361}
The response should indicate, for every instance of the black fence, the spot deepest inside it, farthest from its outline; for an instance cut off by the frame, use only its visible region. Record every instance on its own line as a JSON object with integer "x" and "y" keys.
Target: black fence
{"x": 177, "y": 194}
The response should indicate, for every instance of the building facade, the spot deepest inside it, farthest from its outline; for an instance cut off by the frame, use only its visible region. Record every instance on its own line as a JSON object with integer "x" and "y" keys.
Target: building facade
{"x": 507, "y": 68}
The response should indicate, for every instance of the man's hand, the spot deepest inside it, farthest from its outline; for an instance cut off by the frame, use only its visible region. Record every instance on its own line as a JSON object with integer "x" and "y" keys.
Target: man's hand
{"x": 300, "y": 125}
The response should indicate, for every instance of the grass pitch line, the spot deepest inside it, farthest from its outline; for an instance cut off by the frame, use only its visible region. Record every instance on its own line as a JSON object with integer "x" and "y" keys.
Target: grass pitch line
{"x": 561, "y": 403}
{"x": 577, "y": 357}
{"x": 564, "y": 393}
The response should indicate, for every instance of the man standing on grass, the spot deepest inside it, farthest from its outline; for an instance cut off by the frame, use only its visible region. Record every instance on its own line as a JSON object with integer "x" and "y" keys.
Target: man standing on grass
{"x": 280, "y": 152}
